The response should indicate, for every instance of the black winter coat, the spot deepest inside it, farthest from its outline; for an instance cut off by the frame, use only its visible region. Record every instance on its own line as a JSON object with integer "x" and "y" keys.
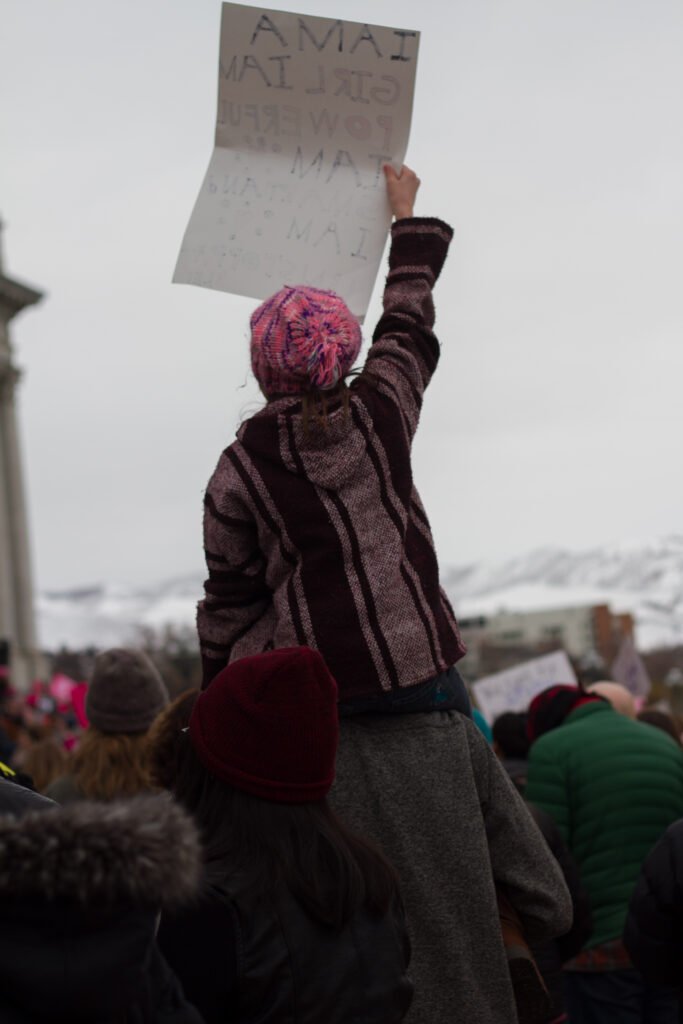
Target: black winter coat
{"x": 550, "y": 956}
{"x": 16, "y": 799}
{"x": 653, "y": 934}
{"x": 80, "y": 894}
{"x": 251, "y": 958}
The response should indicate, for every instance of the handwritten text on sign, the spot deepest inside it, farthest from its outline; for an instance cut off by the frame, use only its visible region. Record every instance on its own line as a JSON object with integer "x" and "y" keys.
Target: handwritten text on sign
{"x": 514, "y": 688}
{"x": 309, "y": 109}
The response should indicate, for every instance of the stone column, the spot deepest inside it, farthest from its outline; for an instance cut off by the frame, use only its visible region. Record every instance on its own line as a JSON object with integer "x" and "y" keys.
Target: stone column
{"x": 7, "y": 616}
{"x": 17, "y": 623}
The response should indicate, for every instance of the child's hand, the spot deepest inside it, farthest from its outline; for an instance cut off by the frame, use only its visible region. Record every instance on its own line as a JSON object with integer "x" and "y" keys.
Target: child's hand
{"x": 401, "y": 191}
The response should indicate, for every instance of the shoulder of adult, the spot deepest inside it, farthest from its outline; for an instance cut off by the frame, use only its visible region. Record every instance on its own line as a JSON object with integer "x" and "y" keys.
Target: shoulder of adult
{"x": 545, "y": 748}
{"x": 480, "y": 748}
{"x": 520, "y": 858}
{"x": 656, "y": 737}
{"x": 17, "y": 800}
{"x": 645, "y": 748}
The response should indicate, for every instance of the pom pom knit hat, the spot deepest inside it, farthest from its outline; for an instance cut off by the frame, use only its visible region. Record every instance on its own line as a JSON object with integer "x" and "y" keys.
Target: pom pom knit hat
{"x": 303, "y": 339}
{"x": 267, "y": 724}
{"x": 126, "y": 693}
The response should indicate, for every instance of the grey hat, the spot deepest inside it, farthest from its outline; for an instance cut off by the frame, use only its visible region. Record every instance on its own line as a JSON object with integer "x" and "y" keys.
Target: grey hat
{"x": 126, "y": 692}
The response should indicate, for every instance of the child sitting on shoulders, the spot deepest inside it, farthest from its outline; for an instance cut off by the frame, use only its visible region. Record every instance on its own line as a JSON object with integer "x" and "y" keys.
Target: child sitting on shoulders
{"x": 314, "y": 532}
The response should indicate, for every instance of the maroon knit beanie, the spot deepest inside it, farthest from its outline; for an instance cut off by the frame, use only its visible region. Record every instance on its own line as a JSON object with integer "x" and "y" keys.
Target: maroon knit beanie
{"x": 267, "y": 724}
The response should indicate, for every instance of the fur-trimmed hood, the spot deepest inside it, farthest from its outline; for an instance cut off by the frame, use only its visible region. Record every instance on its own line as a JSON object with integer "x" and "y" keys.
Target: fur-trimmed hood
{"x": 142, "y": 852}
{"x": 80, "y": 892}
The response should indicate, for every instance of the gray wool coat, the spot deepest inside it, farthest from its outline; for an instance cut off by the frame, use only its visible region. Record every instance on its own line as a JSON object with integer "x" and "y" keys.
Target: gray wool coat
{"x": 428, "y": 788}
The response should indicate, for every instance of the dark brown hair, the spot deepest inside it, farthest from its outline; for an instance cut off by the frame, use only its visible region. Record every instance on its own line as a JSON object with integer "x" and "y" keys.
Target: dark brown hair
{"x": 330, "y": 870}
{"x": 164, "y": 738}
{"x": 45, "y": 761}
{"x": 316, "y": 405}
{"x": 509, "y": 734}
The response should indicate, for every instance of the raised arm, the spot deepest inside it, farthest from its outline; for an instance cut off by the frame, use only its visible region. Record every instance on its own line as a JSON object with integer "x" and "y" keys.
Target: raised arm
{"x": 405, "y": 351}
{"x": 401, "y": 190}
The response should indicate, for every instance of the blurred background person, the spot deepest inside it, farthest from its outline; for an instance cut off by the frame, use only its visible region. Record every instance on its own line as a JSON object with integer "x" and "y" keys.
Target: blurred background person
{"x": 653, "y": 934}
{"x": 429, "y": 789}
{"x": 300, "y": 919}
{"x": 81, "y": 888}
{"x": 511, "y": 744}
{"x": 661, "y": 720}
{"x": 613, "y": 786}
{"x": 125, "y": 695}
{"x": 619, "y": 697}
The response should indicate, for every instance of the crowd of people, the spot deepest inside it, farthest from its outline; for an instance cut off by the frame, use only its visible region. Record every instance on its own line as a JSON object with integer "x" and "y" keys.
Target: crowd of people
{"x": 322, "y": 832}
{"x": 535, "y": 878}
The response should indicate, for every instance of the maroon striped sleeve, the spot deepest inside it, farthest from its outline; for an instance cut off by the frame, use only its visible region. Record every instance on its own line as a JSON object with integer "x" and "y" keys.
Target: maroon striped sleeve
{"x": 405, "y": 351}
{"x": 235, "y": 592}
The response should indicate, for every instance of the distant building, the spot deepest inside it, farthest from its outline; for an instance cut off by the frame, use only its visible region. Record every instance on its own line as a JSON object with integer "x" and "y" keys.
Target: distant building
{"x": 18, "y": 648}
{"x": 497, "y": 641}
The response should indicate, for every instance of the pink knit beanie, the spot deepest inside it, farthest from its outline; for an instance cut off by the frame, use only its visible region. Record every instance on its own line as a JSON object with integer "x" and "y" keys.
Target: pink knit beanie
{"x": 302, "y": 339}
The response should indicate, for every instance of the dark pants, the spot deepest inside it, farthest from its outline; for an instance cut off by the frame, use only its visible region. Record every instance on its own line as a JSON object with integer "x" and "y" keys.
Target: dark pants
{"x": 618, "y": 997}
{"x": 445, "y": 692}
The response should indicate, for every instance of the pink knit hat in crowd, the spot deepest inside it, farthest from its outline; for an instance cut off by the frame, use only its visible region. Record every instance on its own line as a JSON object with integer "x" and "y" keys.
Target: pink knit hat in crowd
{"x": 302, "y": 339}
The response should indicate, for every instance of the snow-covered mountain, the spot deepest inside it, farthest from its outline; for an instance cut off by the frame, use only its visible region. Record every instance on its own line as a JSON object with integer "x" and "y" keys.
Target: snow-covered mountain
{"x": 113, "y": 614}
{"x": 645, "y": 579}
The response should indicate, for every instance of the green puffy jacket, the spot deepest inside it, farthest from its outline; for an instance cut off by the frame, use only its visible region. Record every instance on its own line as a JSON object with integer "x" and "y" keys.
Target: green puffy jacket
{"x": 613, "y": 786}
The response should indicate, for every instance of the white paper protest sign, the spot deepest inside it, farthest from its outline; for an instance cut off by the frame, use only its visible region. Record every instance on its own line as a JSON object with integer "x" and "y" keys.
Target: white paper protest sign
{"x": 309, "y": 110}
{"x": 629, "y": 670}
{"x": 514, "y": 688}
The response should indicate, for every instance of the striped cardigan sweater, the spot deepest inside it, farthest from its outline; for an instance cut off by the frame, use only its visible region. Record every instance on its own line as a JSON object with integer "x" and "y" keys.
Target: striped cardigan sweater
{"x": 319, "y": 537}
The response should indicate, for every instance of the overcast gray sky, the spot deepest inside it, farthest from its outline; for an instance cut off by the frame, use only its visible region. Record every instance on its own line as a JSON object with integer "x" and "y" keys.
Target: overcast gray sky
{"x": 548, "y": 132}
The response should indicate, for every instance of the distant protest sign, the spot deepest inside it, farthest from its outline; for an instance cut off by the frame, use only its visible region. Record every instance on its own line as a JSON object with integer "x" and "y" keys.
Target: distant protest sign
{"x": 513, "y": 689}
{"x": 629, "y": 670}
{"x": 309, "y": 110}
{"x": 61, "y": 688}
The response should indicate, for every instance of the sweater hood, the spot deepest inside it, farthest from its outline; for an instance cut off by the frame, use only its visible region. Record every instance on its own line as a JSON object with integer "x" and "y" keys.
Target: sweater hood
{"x": 80, "y": 892}
{"x": 327, "y": 456}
